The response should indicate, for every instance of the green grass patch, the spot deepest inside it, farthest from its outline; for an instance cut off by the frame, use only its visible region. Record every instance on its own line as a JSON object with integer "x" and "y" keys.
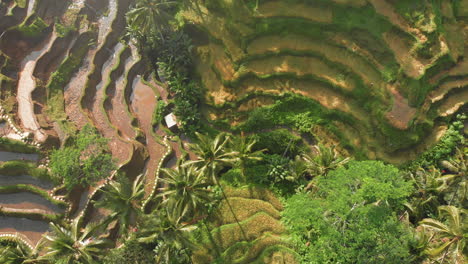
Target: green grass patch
{"x": 5, "y": 189}
{"x": 21, "y": 3}
{"x": 244, "y": 208}
{"x": 60, "y": 78}
{"x": 56, "y": 218}
{"x": 15, "y": 168}
{"x": 11, "y": 145}
{"x": 34, "y": 29}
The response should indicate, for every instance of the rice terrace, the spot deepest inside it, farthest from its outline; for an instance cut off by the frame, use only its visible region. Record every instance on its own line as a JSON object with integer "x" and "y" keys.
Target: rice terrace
{"x": 233, "y": 131}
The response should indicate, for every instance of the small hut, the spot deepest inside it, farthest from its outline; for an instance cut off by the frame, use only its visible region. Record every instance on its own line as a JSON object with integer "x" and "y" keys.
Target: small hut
{"x": 171, "y": 122}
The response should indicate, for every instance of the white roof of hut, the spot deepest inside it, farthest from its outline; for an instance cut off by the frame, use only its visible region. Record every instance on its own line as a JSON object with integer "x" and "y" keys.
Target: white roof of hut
{"x": 170, "y": 120}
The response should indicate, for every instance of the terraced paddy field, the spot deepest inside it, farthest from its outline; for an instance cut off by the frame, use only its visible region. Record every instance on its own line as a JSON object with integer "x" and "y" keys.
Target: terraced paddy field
{"x": 375, "y": 79}
{"x": 67, "y": 64}
{"x": 251, "y": 233}
{"x": 368, "y": 61}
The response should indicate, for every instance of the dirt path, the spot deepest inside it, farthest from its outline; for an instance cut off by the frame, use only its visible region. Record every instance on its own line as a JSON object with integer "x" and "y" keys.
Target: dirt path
{"x": 26, "y": 85}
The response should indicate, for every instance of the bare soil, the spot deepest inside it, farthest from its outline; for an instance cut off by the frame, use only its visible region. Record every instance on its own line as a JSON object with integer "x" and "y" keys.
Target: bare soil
{"x": 401, "y": 112}
{"x": 31, "y": 229}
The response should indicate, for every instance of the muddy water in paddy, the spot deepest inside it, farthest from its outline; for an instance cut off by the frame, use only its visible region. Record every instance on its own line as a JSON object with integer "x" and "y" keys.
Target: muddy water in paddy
{"x": 24, "y": 179}
{"x": 30, "y": 7}
{"x": 120, "y": 150}
{"x": 32, "y": 229}
{"x": 109, "y": 64}
{"x": 74, "y": 89}
{"x": 117, "y": 109}
{"x": 106, "y": 21}
{"x": 26, "y": 84}
{"x": 7, "y": 156}
{"x": 4, "y": 129}
{"x": 143, "y": 102}
{"x": 26, "y": 200}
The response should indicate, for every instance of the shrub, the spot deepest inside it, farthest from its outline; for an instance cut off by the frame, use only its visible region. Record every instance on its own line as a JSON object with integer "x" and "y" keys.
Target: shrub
{"x": 280, "y": 142}
{"x": 444, "y": 148}
{"x": 84, "y": 161}
{"x": 131, "y": 252}
{"x": 173, "y": 61}
{"x": 35, "y": 29}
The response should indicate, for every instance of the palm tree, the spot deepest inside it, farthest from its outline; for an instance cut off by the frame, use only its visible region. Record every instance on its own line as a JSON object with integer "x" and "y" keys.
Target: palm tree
{"x": 212, "y": 154}
{"x": 324, "y": 160}
{"x": 186, "y": 189}
{"x": 165, "y": 229}
{"x": 456, "y": 183}
{"x": 242, "y": 148}
{"x": 17, "y": 253}
{"x": 73, "y": 244}
{"x": 450, "y": 236}
{"x": 123, "y": 199}
{"x": 150, "y": 16}
{"x": 429, "y": 186}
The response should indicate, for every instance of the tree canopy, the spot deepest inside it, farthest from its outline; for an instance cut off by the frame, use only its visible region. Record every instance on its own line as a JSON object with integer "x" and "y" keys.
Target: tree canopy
{"x": 83, "y": 161}
{"x": 350, "y": 217}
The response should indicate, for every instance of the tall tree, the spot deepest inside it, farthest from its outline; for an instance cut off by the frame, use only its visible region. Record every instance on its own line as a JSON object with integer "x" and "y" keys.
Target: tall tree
{"x": 186, "y": 189}
{"x": 150, "y": 16}
{"x": 212, "y": 154}
{"x": 242, "y": 148}
{"x": 428, "y": 187}
{"x": 124, "y": 200}
{"x": 16, "y": 252}
{"x": 351, "y": 216}
{"x": 73, "y": 244}
{"x": 171, "y": 236}
{"x": 449, "y": 243}
{"x": 323, "y": 160}
{"x": 83, "y": 160}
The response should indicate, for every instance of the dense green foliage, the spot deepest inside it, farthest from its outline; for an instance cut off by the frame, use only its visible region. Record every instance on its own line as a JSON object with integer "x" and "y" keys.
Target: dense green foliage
{"x": 280, "y": 141}
{"x": 328, "y": 225}
{"x": 445, "y": 147}
{"x": 173, "y": 62}
{"x": 84, "y": 161}
{"x": 131, "y": 252}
